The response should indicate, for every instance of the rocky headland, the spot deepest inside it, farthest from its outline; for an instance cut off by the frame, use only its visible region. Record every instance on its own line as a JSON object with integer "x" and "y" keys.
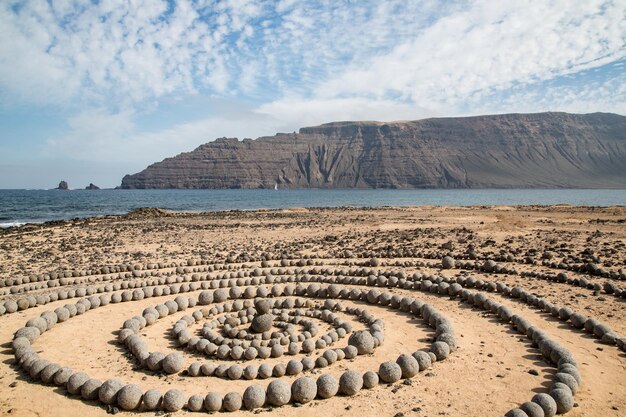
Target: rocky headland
{"x": 543, "y": 150}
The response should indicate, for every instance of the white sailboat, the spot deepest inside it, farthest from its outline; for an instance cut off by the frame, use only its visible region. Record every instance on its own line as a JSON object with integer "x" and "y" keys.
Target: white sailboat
{"x": 276, "y": 186}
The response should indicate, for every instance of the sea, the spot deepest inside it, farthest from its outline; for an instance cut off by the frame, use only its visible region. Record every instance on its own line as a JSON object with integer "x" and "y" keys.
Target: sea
{"x": 19, "y": 207}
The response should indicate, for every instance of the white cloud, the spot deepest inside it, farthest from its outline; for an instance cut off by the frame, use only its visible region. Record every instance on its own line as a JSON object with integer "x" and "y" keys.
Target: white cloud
{"x": 425, "y": 52}
{"x": 490, "y": 46}
{"x": 115, "y": 136}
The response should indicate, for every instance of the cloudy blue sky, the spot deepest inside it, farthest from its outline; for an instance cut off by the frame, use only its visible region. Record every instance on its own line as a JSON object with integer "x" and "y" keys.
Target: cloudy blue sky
{"x": 93, "y": 90}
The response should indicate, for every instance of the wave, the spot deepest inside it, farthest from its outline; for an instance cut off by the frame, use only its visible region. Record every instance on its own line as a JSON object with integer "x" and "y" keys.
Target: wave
{"x": 6, "y": 225}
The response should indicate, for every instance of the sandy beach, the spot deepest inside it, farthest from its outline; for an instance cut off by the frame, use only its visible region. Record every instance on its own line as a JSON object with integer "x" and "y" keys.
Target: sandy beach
{"x": 493, "y": 369}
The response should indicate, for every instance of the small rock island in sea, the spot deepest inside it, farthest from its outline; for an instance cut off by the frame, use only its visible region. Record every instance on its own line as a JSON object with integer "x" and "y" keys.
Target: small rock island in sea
{"x": 92, "y": 186}
{"x": 63, "y": 186}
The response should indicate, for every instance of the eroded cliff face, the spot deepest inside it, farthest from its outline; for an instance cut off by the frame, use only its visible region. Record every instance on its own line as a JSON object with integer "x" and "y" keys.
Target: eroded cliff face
{"x": 504, "y": 151}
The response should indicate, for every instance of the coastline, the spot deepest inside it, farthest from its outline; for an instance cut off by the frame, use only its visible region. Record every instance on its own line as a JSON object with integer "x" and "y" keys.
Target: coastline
{"x": 157, "y": 211}
{"x": 40, "y": 206}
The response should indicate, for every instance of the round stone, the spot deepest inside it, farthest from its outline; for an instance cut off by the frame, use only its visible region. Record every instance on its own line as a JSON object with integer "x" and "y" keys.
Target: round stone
{"x": 265, "y": 371}
{"x": 547, "y": 403}
{"x": 568, "y": 380}
{"x": 39, "y": 323}
{"x": 154, "y": 361}
{"x": 251, "y": 353}
{"x": 532, "y": 409}
{"x": 350, "y": 352}
{"x": 205, "y": 298}
{"x": 151, "y": 400}
{"x": 173, "y": 400}
{"x": 327, "y": 386}
{"x": 108, "y": 391}
{"x": 236, "y": 353}
{"x": 278, "y": 393}
{"x": 250, "y": 372}
{"x": 277, "y": 351}
{"x": 62, "y": 376}
{"x": 563, "y": 399}
{"x": 389, "y": 372}
{"x": 441, "y": 350}
{"x": 30, "y": 333}
{"x": 47, "y": 373}
{"x": 370, "y": 379}
{"x": 129, "y": 397}
{"x": 195, "y": 369}
{"x": 232, "y": 401}
{"x": 172, "y": 364}
{"x": 213, "y": 402}
{"x": 34, "y": 365}
{"x": 351, "y": 382}
{"x": 262, "y": 306}
{"x": 423, "y": 359}
{"x": 76, "y": 381}
{"x": 448, "y": 339}
{"x": 447, "y": 262}
{"x": 409, "y": 366}
{"x": 362, "y": 341}
{"x": 10, "y": 306}
{"x": 571, "y": 370}
{"x": 235, "y": 372}
{"x": 89, "y": 390}
{"x": 303, "y": 390}
{"x": 195, "y": 403}
{"x": 262, "y": 323}
{"x": 254, "y": 397}
{"x": 294, "y": 367}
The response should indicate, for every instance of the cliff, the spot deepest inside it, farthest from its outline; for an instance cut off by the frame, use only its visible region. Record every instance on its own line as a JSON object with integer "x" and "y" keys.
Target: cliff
{"x": 541, "y": 150}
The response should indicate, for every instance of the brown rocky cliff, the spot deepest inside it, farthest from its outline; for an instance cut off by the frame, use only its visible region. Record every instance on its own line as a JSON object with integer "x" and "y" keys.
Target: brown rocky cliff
{"x": 505, "y": 151}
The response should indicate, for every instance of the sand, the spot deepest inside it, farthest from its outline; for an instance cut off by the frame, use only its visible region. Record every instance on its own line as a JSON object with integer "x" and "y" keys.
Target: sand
{"x": 487, "y": 376}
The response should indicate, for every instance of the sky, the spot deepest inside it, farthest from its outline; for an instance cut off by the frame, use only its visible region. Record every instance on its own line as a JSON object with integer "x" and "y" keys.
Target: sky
{"x": 91, "y": 90}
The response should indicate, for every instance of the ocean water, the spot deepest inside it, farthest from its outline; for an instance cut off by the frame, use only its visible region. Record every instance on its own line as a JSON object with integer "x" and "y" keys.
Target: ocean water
{"x": 18, "y": 207}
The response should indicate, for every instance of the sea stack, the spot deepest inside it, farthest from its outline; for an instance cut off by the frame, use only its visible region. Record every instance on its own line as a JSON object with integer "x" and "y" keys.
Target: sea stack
{"x": 63, "y": 186}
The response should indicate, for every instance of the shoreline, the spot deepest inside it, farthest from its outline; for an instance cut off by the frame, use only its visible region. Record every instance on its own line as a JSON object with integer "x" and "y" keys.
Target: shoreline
{"x": 157, "y": 211}
{"x": 39, "y": 207}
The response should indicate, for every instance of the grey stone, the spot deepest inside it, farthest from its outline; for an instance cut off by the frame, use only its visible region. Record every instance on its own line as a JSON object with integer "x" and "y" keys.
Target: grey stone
{"x": 213, "y": 402}
{"x": 351, "y": 382}
{"x": 409, "y": 366}
{"x": 278, "y": 393}
{"x": 129, "y": 397}
{"x": 89, "y": 390}
{"x": 441, "y": 350}
{"x": 370, "y": 379}
{"x": 303, "y": 390}
{"x": 563, "y": 399}
{"x": 362, "y": 341}
{"x": 195, "y": 403}
{"x": 254, "y": 397}
{"x": 76, "y": 381}
{"x": 232, "y": 402}
{"x": 532, "y": 409}
{"x": 327, "y": 386}
{"x": 423, "y": 359}
{"x": 389, "y": 372}
{"x": 152, "y": 399}
{"x": 109, "y": 390}
{"x": 172, "y": 364}
{"x": 173, "y": 400}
